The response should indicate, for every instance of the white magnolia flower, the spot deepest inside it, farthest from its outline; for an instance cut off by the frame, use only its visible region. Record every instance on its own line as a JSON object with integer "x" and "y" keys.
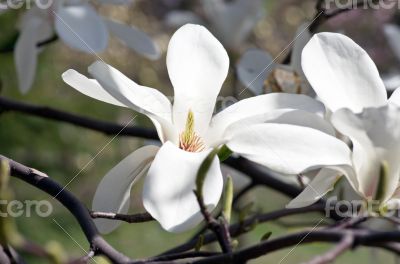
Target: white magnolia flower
{"x": 79, "y": 26}
{"x": 392, "y": 33}
{"x": 348, "y": 83}
{"x": 231, "y": 21}
{"x": 256, "y": 65}
{"x": 198, "y": 65}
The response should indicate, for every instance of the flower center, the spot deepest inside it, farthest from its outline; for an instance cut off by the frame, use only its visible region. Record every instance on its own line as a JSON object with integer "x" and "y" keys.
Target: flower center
{"x": 188, "y": 139}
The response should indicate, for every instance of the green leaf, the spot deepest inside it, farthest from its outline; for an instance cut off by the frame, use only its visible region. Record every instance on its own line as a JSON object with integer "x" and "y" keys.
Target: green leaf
{"x": 224, "y": 153}
{"x": 382, "y": 183}
{"x": 266, "y": 236}
{"x": 228, "y": 199}
{"x": 199, "y": 243}
{"x": 202, "y": 172}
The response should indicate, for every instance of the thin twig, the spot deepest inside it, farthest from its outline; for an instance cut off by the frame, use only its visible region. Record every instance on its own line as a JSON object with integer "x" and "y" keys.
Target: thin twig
{"x": 78, "y": 210}
{"x": 86, "y": 122}
{"x": 220, "y": 231}
{"x": 345, "y": 244}
{"x": 135, "y": 218}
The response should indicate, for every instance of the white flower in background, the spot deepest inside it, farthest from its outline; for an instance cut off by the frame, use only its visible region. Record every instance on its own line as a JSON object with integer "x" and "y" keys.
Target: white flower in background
{"x": 198, "y": 65}
{"x": 392, "y": 33}
{"x": 255, "y": 65}
{"x": 231, "y": 21}
{"x": 78, "y": 25}
{"x": 347, "y": 81}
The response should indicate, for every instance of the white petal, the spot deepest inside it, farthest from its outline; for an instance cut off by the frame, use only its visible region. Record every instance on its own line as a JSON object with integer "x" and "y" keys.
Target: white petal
{"x": 253, "y": 69}
{"x": 395, "y": 97}
{"x": 113, "y": 193}
{"x": 291, "y": 117}
{"x": 289, "y": 149}
{"x": 375, "y": 134}
{"x": 392, "y": 33}
{"x": 25, "y": 55}
{"x": 256, "y": 107}
{"x": 322, "y": 183}
{"x": 116, "y": 2}
{"x": 302, "y": 37}
{"x": 89, "y": 87}
{"x": 135, "y": 39}
{"x": 197, "y": 65}
{"x": 233, "y": 21}
{"x": 81, "y": 28}
{"x": 178, "y": 18}
{"x": 168, "y": 189}
{"x": 140, "y": 98}
{"x": 341, "y": 73}
{"x": 46, "y": 29}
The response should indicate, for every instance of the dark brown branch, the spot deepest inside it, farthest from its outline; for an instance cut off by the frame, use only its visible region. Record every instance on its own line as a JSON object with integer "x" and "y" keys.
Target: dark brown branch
{"x": 136, "y": 218}
{"x": 80, "y": 212}
{"x": 345, "y": 244}
{"x": 243, "y": 191}
{"x": 240, "y": 228}
{"x": 361, "y": 237}
{"x": 323, "y": 15}
{"x": 86, "y": 122}
{"x": 40, "y": 44}
{"x": 219, "y": 229}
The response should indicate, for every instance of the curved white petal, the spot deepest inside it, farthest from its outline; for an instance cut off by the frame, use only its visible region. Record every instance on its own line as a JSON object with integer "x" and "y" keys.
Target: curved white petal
{"x": 168, "y": 189}
{"x": 395, "y": 97}
{"x": 140, "y": 98}
{"x": 341, "y": 73}
{"x": 302, "y": 37}
{"x": 375, "y": 134}
{"x": 289, "y": 149}
{"x": 25, "y": 55}
{"x": 113, "y": 193}
{"x": 233, "y": 21}
{"x": 255, "y": 107}
{"x": 253, "y": 69}
{"x": 135, "y": 39}
{"x": 46, "y": 29}
{"x": 81, "y": 28}
{"x": 197, "y": 65}
{"x": 285, "y": 116}
{"x": 322, "y": 183}
{"x": 89, "y": 87}
{"x": 392, "y": 33}
{"x": 178, "y": 18}
{"x": 116, "y": 2}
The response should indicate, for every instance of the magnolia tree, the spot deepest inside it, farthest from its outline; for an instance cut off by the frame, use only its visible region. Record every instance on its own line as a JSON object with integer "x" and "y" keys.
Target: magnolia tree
{"x": 320, "y": 129}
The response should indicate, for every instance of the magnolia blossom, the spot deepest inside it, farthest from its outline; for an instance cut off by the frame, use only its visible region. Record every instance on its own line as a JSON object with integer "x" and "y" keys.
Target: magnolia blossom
{"x": 198, "y": 65}
{"x": 347, "y": 81}
{"x": 231, "y": 21}
{"x": 392, "y": 33}
{"x": 256, "y": 65}
{"x": 79, "y": 26}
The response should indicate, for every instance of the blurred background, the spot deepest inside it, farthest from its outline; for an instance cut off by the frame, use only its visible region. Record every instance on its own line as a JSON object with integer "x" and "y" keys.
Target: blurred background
{"x": 62, "y": 150}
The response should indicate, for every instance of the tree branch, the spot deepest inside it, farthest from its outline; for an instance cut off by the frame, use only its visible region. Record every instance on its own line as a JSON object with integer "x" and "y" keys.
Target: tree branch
{"x": 80, "y": 212}
{"x": 85, "y": 122}
{"x": 136, "y": 218}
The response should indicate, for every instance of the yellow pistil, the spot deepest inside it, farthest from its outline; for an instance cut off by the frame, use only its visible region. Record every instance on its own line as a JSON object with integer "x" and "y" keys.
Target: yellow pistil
{"x": 188, "y": 139}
